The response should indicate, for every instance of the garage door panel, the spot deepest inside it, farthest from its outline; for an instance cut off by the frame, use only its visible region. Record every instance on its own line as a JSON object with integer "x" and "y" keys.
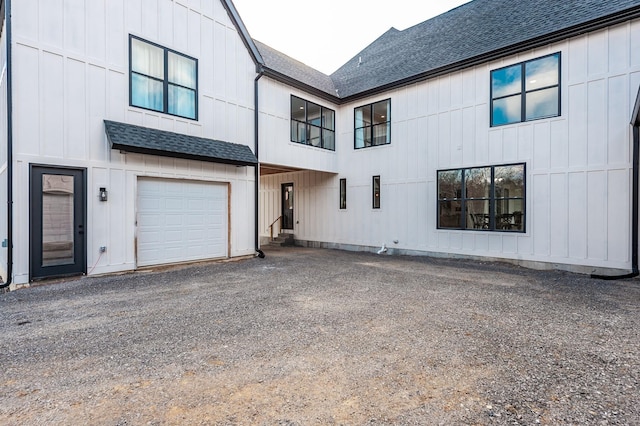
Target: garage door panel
{"x": 181, "y": 221}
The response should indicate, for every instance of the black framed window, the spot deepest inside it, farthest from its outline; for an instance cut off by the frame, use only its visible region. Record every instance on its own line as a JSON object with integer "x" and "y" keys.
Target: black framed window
{"x": 526, "y": 91}
{"x": 162, "y": 80}
{"x": 312, "y": 124}
{"x": 488, "y": 198}
{"x": 343, "y": 194}
{"x": 372, "y": 124}
{"x": 376, "y": 192}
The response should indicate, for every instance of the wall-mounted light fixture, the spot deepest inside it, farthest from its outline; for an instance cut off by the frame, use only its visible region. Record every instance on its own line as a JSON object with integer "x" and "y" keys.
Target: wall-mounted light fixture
{"x": 103, "y": 194}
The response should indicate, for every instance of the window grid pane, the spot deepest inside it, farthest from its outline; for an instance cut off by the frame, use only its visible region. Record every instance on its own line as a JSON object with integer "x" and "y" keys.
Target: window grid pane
{"x": 182, "y": 71}
{"x": 526, "y": 91}
{"x": 484, "y": 198}
{"x": 182, "y": 101}
{"x": 147, "y": 59}
{"x": 312, "y": 124}
{"x": 174, "y": 93}
{"x": 372, "y": 124}
{"x": 147, "y": 92}
{"x": 298, "y": 131}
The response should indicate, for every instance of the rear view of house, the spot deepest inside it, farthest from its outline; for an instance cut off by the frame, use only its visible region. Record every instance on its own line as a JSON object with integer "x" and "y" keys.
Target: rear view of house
{"x": 136, "y": 133}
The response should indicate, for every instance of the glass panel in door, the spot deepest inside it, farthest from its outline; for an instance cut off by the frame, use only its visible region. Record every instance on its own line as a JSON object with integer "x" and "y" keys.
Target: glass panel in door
{"x": 57, "y": 220}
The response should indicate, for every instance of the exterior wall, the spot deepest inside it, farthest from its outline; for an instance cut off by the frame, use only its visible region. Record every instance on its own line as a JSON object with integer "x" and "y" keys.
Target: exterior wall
{"x": 3, "y": 153}
{"x": 275, "y": 131}
{"x": 71, "y": 71}
{"x": 578, "y": 165}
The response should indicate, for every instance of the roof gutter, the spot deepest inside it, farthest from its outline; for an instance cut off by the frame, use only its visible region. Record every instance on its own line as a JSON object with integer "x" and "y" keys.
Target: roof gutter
{"x": 278, "y": 76}
{"x": 7, "y": 18}
{"x": 256, "y": 119}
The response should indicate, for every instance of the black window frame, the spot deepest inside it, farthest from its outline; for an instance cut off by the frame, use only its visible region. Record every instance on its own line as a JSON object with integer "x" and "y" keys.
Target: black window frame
{"x": 376, "y": 193}
{"x": 343, "y": 194}
{"x": 165, "y": 81}
{"x": 324, "y": 144}
{"x": 490, "y": 224}
{"x": 371, "y": 125}
{"x": 523, "y": 92}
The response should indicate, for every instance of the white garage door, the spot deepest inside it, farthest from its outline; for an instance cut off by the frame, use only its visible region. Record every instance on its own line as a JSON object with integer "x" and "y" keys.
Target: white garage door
{"x": 180, "y": 220}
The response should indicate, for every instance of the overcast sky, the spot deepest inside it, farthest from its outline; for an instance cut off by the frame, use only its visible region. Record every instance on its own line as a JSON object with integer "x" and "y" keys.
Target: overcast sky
{"x": 325, "y": 34}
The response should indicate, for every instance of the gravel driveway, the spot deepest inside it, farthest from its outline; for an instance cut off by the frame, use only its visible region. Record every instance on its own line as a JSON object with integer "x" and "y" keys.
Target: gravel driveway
{"x": 309, "y": 336}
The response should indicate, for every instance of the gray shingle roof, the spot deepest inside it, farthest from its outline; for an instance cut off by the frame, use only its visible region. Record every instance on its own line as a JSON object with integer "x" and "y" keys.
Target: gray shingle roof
{"x": 143, "y": 140}
{"x": 480, "y": 28}
{"x": 296, "y": 70}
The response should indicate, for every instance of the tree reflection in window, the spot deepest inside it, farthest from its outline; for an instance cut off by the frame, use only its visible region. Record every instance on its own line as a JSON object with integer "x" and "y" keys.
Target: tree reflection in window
{"x": 484, "y": 198}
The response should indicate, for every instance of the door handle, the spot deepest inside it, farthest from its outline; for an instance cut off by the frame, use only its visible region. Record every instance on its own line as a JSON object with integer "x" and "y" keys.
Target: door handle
{"x": 81, "y": 229}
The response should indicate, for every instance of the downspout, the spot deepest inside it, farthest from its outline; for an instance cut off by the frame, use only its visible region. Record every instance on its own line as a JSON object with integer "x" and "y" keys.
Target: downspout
{"x": 7, "y": 17}
{"x": 634, "y": 211}
{"x": 256, "y": 117}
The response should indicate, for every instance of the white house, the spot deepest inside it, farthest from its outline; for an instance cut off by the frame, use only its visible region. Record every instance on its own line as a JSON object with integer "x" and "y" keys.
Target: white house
{"x": 137, "y": 133}
{"x": 500, "y": 129}
{"x": 127, "y": 136}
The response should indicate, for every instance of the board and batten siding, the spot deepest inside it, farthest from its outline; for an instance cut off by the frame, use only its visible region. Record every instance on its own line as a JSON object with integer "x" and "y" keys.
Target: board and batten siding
{"x": 275, "y": 132}
{"x": 71, "y": 72}
{"x": 3, "y": 153}
{"x": 579, "y": 171}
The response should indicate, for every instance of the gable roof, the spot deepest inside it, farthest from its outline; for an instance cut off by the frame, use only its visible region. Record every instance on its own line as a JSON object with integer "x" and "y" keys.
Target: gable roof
{"x": 242, "y": 30}
{"x": 284, "y": 67}
{"x": 143, "y": 140}
{"x": 476, "y": 32}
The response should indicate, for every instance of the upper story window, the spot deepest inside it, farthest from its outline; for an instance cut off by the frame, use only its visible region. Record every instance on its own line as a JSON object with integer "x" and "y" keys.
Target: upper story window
{"x": 488, "y": 198}
{"x": 526, "y": 91}
{"x": 162, "y": 80}
{"x": 372, "y": 124}
{"x": 312, "y": 124}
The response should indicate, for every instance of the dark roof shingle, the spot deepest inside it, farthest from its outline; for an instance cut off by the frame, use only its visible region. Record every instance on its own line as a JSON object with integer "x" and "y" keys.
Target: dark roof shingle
{"x": 469, "y": 32}
{"x": 296, "y": 70}
{"x": 143, "y": 140}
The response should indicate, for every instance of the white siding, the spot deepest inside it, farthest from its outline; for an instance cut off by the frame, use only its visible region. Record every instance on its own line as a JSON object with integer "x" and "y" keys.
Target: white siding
{"x": 71, "y": 73}
{"x": 3, "y": 154}
{"x": 274, "y": 131}
{"x": 578, "y": 164}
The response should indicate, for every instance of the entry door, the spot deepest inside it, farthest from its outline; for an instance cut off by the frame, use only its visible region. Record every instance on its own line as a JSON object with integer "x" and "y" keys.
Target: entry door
{"x": 57, "y": 222}
{"x": 287, "y": 206}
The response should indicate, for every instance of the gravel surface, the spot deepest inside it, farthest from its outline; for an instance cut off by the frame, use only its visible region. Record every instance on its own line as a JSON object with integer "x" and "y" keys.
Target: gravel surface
{"x": 309, "y": 336}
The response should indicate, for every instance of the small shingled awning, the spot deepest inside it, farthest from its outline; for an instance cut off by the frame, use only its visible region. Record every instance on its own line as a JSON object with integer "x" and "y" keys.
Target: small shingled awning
{"x": 142, "y": 140}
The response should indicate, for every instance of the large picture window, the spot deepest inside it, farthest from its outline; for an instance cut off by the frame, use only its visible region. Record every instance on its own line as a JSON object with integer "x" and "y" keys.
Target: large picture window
{"x": 483, "y": 198}
{"x": 372, "y": 124}
{"x": 526, "y": 91}
{"x": 162, "y": 80}
{"x": 312, "y": 124}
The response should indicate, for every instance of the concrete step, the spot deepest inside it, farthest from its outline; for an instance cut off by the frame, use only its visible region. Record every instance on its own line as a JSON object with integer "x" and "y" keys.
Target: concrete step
{"x": 283, "y": 240}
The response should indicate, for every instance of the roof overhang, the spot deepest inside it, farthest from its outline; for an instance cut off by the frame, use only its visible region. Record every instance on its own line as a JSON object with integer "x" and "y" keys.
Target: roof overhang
{"x": 143, "y": 140}
{"x": 242, "y": 30}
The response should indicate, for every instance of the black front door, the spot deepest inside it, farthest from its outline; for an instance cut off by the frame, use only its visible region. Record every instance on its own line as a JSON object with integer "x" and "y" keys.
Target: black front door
{"x": 57, "y": 222}
{"x": 287, "y": 206}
